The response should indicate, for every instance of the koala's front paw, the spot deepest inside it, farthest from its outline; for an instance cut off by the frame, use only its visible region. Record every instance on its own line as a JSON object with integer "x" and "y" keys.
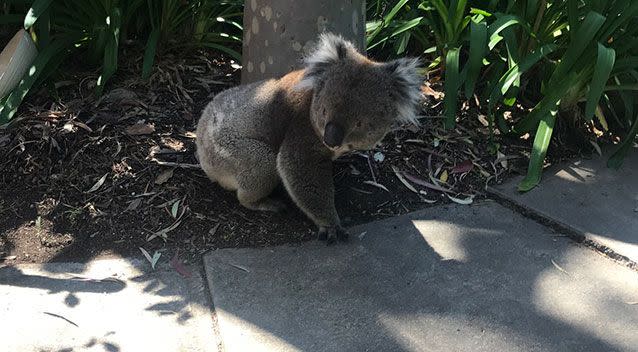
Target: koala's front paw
{"x": 332, "y": 234}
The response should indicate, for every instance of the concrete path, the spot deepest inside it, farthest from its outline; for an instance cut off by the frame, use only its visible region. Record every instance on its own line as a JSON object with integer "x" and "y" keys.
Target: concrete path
{"x": 450, "y": 278}
{"x": 106, "y": 305}
{"x": 458, "y": 278}
{"x": 586, "y": 196}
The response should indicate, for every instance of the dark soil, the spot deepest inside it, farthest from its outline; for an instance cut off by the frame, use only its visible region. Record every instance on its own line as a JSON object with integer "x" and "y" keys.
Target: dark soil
{"x": 82, "y": 177}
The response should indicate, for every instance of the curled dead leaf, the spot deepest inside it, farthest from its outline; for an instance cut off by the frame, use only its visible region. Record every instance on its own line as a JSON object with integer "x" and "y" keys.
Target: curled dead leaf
{"x": 464, "y": 201}
{"x": 378, "y": 185}
{"x": 463, "y": 167}
{"x": 444, "y": 176}
{"x": 427, "y": 184}
{"x": 397, "y": 173}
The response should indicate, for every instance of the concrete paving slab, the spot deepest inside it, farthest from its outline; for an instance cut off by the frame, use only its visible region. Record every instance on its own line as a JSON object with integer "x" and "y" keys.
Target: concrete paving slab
{"x": 586, "y": 196}
{"x": 457, "y": 278}
{"x": 106, "y": 305}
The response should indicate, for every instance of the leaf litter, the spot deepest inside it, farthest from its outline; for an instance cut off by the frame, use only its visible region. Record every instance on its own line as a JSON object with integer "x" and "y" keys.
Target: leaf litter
{"x": 154, "y": 259}
{"x": 104, "y": 133}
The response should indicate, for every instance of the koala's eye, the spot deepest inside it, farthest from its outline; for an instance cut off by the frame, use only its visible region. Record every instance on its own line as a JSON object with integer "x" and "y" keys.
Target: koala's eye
{"x": 371, "y": 126}
{"x": 358, "y": 124}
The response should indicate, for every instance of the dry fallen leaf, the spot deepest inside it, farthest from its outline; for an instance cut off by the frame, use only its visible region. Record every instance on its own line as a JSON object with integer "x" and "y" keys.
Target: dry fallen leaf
{"x": 174, "y": 209}
{"x": 483, "y": 120}
{"x": 98, "y": 184}
{"x": 427, "y": 184}
{"x": 242, "y": 268}
{"x": 83, "y": 126}
{"x": 163, "y": 233}
{"x": 463, "y": 167}
{"x": 164, "y": 176}
{"x": 140, "y": 129}
{"x": 153, "y": 260}
{"x": 502, "y": 159}
{"x": 134, "y": 204}
{"x": 68, "y": 126}
{"x": 559, "y": 267}
{"x": 444, "y": 176}
{"x": 403, "y": 180}
{"x": 214, "y": 229}
{"x": 427, "y": 90}
{"x": 375, "y": 184}
{"x": 466, "y": 201}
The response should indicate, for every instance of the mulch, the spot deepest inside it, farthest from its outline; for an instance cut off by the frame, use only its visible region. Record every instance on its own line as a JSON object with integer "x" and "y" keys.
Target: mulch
{"x": 82, "y": 176}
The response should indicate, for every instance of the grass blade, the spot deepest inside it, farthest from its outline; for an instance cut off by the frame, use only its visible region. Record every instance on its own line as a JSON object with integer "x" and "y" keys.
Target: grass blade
{"x": 541, "y": 143}
{"x": 110, "y": 50}
{"x": 459, "y": 12}
{"x": 517, "y": 70}
{"x": 478, "y": 44}
{"x": 452, "y": 78}
{"x": 387, "y": 19}
{"x": 586, "y": 33}
{"x": 604, "y": 64}
{"x": 498, "y": 26}
{"x": 616, "y": 160}
{"x": 547, "y": 104}
{"x": 149, "y": 53}
{"x": 37, "y": 8}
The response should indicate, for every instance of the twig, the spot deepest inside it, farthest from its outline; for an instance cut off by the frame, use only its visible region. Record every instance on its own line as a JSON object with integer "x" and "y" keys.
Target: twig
{"x": 181, "y": 165}
{"x": 61, "y": 317}
{"x": 374, "y": 177}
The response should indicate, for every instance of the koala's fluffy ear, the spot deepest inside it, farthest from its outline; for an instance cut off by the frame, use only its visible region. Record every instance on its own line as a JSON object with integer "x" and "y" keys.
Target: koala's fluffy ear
{"x": 330, "y": 49}
{"x": 406, "y": 87}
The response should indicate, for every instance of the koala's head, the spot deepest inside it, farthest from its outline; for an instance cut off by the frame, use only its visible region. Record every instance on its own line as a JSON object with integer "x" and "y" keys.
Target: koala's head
{"x": 356, "y": 100}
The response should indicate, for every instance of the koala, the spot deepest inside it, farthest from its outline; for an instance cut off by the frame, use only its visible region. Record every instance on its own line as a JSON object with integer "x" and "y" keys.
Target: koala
{"x": 253, "y": 137}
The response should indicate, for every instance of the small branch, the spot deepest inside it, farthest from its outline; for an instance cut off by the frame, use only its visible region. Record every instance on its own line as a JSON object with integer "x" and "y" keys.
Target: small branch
{"x": 61, "y": 317}
{"x": 181, "y": 165}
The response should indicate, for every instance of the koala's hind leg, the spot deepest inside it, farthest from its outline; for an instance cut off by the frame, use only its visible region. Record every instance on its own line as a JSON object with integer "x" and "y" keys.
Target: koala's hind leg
{"x": 255, "y": 173}
{"x": 255, "y": 189}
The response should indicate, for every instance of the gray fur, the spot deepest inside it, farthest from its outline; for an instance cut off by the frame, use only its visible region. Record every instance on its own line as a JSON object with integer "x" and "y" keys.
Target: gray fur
{"x": 252, "y": 137}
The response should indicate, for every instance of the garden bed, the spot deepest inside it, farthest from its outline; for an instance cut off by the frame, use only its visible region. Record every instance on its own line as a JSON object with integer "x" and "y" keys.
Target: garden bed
{"x": 82, "y": 177}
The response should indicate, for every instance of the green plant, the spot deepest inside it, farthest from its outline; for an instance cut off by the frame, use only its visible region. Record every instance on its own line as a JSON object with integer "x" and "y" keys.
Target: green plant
{"x": 571, "y": 50}
{"x": 560, "y": 56}
{"x": 212, "y": 24}
{"x": 65, "y": 26}
{"x": 392, "y": 29}
{"x": 93, "y": 29}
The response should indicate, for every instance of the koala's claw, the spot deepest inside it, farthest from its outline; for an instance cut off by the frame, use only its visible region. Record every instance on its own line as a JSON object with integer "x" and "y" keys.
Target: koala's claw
{"x": 332, "y": 234}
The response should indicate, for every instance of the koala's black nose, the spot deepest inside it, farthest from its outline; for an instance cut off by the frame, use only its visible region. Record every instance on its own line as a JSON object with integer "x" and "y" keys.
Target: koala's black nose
{"x": 333, "y": 134}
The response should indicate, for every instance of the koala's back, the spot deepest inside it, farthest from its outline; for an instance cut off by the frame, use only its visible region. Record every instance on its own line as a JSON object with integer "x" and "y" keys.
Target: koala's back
{"x": 259, "y": 112}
